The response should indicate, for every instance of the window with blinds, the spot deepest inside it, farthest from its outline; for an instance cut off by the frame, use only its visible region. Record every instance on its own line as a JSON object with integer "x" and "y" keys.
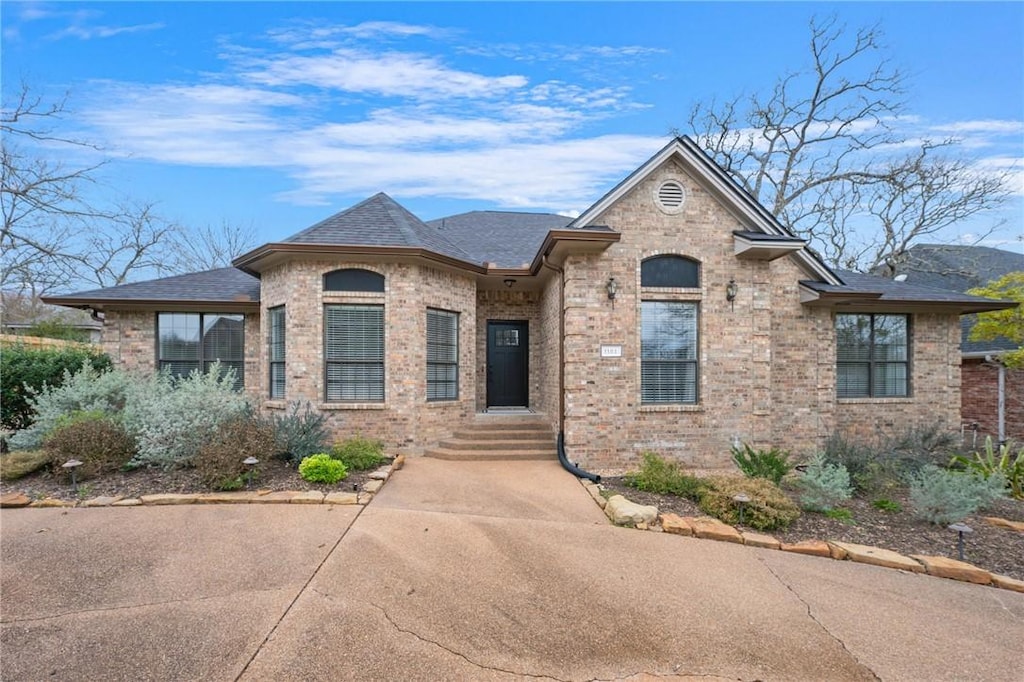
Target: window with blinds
{"x": 195, "y": 341}
{"x": 442, "y": 355}
{"x": 668, "y": 352}
{"x": 277, "y": 352}
{"x": 872, "y": 356}
{"x": 354, "y": 353}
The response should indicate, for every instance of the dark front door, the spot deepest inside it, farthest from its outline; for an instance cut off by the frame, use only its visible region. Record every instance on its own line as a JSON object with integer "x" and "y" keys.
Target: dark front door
{"x": 507, "y": 364}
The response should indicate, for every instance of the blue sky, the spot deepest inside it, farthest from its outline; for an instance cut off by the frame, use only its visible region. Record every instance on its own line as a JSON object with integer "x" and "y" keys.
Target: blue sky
{"x": 276, "y": 115}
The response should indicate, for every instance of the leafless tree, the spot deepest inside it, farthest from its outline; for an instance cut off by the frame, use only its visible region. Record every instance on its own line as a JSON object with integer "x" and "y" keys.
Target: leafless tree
{"x": 211, "y": 247}
{"x": 820, "y": 152}
{"x": 58, "y": 235}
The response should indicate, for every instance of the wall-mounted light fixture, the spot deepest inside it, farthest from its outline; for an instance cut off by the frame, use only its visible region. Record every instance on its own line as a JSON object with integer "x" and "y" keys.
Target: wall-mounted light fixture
{"x": 613, "y": 288}
{"x": 509, "y": 282}
{"x": 731, "y": 289}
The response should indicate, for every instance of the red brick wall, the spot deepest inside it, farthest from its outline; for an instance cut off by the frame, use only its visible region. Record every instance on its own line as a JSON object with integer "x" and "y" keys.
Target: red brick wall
{"x": 979, "y": 400}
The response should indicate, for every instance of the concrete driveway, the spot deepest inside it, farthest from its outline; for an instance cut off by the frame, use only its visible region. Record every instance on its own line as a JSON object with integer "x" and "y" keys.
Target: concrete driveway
{"x": 467, "y": 570}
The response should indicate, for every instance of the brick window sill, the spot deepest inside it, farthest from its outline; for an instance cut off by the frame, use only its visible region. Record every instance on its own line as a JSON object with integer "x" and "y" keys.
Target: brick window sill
{"x": 431, "y": 404}
{"x": 902, "y": 400}
{"x": 275, "y": 404}
{"x": 327, "y": 407}
{"x": 671, "y": 408}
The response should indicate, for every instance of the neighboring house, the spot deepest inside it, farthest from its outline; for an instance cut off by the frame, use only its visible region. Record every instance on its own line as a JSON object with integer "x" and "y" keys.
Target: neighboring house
{"x": 992, "y": 396}
{"x": 20, "y": 312}
{"x": 674, "y": 315}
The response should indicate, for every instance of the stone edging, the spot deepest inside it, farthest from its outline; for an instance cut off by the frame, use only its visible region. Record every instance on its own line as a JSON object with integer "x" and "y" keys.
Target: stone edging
{"x": 625, "y": 513}
{"x": 370, "y": 488}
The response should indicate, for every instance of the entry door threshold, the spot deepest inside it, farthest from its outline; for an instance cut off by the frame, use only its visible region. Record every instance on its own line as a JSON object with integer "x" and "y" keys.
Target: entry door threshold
{"x": 510, "y": 410}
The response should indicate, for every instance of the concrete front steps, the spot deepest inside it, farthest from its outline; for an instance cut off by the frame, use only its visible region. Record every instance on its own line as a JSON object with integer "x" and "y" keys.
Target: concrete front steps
{"x": 496, "y": 438}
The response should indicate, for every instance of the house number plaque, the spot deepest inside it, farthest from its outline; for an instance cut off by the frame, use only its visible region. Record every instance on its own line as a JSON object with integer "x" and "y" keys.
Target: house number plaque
{"x": 608, "y": 351}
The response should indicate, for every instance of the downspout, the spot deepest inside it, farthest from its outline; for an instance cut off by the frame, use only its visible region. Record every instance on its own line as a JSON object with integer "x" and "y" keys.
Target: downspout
{"x": 1000, "y": 395}
{"x": 1002, "y": 403}
{"x": 562, "y": 458}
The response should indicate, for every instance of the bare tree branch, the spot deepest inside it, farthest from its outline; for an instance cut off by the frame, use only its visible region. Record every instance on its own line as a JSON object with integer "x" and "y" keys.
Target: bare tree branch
{"x": 817, "y": 151}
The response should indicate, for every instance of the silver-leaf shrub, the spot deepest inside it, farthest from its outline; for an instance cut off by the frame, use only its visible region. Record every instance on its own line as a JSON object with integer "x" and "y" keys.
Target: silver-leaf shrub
{"x": 942, "y": 496}
{"x": 172, "y": 418}
{"x": 823, "y": 485}
{"x": 87, "y": 390}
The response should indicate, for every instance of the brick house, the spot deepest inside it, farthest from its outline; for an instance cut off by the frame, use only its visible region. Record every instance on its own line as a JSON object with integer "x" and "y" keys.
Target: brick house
{"x": 675, "y": 315}
{"x": 992, "y": 395}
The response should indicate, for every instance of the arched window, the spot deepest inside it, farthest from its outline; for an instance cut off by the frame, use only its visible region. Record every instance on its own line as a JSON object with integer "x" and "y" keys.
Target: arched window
{"x": 354, "y": 279}
{"x": 670, "y": 271}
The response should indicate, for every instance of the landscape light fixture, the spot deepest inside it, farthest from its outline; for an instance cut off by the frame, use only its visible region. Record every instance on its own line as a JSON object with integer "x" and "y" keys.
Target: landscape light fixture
{"x": 960, "y": 529}
{"x": 250, "y": 462}
{"x": 741, "y": 500}
{"x": 71, "y": 465}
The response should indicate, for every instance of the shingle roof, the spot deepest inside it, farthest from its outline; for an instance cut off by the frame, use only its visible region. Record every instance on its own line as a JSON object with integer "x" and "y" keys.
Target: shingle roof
{"x": 504, "y": 238}
{"x": 957, "y": 267}
{"x": 891, "y": 291}
{"x": 961, "y": 268}
{"x": 378, "y": 221}
{"x": 220, "y": 285}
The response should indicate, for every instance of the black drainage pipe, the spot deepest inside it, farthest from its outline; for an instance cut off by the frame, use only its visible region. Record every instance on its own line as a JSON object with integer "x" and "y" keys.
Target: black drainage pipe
{"x": 569, "y": 466}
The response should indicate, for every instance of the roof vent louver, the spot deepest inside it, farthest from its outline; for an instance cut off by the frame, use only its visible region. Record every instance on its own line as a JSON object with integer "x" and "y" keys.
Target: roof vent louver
{"x": 670, "y": 196}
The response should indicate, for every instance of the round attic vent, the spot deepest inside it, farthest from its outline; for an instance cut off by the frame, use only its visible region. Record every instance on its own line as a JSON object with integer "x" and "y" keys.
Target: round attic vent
{"x": 670, "y": 196}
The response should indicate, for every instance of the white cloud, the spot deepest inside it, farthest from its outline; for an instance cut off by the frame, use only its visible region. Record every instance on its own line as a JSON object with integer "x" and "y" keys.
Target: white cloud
{"x": 90, "y": 32}
{"x": 391, "y": 74}
{"x": 984, "y": 126}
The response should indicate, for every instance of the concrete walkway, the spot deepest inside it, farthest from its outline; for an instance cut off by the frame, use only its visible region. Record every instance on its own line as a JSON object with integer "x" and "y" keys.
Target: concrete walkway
{"x": 468, "y": 570}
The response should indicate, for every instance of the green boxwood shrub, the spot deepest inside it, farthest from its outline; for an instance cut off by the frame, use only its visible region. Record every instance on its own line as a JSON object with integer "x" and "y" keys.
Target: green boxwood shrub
{"x": 97, "y": 440}
{"x": 359, "y": 454}
{"x": 322, "y": 468}
{"x": 769, "y": 507}
{"x": 26, "y": 369}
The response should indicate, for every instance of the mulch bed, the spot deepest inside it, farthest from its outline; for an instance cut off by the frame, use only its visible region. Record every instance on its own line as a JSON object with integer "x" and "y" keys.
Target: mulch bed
{"x": 997, "y": 550}
{"x": 274, "y": 475}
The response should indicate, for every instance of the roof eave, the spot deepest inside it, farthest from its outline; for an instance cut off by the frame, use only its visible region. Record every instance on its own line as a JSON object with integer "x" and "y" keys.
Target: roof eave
{"x": 250, "y": 262}
{"x": 875, "y": 301}
{"x": 598, "y": 241}
{"x": 143, "y": 303}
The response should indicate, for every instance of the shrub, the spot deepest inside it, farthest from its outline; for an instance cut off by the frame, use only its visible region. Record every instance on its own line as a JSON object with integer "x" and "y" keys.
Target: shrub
{"x": 941, "y": 496}
{"x": 219, "y": 460}
{"x": 879, "y": 465}
{"x": 359, "y": 454}
{"x": 770, "y": 464}
{"x": 86, "y": 390}
{"x": 299, "y": 435}
{"x": 822, "y": 485}
{"x": 172, "y": 418}
{"x": 14, "y": 465}
{"x": 25, "y": 370}
{"x": 322, "y": 468}
{"x": 769, "y": 506}
{"x": 991, "y": 462}
{"x": 664, "y": 477}
{"x": 95, "y": 439}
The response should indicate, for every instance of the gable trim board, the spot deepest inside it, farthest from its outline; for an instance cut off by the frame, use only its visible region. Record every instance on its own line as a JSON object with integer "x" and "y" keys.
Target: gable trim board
{"x": 764, "y": 362}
